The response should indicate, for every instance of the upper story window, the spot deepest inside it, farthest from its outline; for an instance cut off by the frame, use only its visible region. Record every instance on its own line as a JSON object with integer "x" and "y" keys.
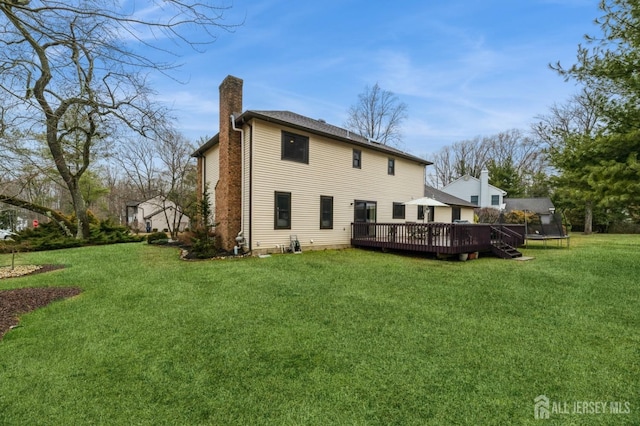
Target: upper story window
{"x": 357, "y": 159}
{"x": 391, "y": 166}
{"x": 398, "y": 210}
{"x": 495, "y": 200}
{"x": 295, "y": 147}
{"x": 474, "y": 199}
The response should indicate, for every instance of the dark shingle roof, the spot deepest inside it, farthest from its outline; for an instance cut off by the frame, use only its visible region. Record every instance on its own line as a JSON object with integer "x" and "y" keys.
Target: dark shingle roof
{"x": 319, "y": 127}
{"x": 537, "y": 205}
{"x": 208, "y": 144}
{"x": 443, "y": 197}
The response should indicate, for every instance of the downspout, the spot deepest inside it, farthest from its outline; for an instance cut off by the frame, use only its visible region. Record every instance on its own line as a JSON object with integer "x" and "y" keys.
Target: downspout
{"x": 203, "y": 185}
{"x": 250, "y": 185}
{"x": 242, "y": 186}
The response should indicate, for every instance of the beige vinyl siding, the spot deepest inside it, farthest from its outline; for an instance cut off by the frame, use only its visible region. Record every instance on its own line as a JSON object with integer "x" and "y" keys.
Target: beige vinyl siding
{"x": 443, "y": 214}
{"x": 329, "y": 173}
{"x": 467, "y": 214}
{"x": 212, "y": 174}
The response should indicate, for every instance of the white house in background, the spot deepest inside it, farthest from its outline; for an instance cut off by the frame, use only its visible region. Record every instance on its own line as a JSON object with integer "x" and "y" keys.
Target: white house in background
{"x": 476, "y": 191}
{"x": 156, "y": 213}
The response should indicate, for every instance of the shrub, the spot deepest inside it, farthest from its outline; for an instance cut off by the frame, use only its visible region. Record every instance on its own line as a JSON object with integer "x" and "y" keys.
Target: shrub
{"x": 624, "y": 228}
{"x": 487, "y": 215}
{"x": 203, "y": 244}
{"x": 157, "y": 238}
{"x": 108, "y": 232}
{"x": 49, "y": 236}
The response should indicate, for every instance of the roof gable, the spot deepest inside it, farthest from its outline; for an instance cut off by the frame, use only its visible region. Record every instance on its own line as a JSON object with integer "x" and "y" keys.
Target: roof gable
{"x": 475, "y": 180}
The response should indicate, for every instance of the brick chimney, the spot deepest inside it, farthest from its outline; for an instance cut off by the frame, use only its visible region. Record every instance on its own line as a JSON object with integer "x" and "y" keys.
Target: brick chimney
{"x": 228, "y": 191}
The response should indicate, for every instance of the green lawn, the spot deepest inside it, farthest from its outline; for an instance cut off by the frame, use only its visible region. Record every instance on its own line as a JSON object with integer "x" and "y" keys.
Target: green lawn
{"x": 337, "y": 337}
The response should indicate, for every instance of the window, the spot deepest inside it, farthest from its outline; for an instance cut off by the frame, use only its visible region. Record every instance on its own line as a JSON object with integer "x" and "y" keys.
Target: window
{"x": 398, "y": 211}
{"x": 364, "y": 213}
{"x": 426, "y": 213}
{"x": 326, "y": 212}
{"x": 495, "y": 200}
{"x": 357, "y": 159}
{"x": 391, "y": 166}
{"x": 295, "y": 147}
{"x": 282, "y": 210}
{"x": 474, "y": 199}
{"x": 455, "y": 213}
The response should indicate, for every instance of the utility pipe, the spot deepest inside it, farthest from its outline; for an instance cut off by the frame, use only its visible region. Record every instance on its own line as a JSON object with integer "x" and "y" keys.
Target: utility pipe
{"x": 233, "y": 126}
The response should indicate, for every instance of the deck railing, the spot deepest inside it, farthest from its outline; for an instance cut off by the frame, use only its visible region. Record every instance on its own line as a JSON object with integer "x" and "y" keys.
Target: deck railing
{"x": 512, "y": 235}
{"x": 433, "y": 237}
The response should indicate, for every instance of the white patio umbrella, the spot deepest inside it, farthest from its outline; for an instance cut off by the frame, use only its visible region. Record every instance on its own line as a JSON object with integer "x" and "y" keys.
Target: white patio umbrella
{"x": 425, "y": 201}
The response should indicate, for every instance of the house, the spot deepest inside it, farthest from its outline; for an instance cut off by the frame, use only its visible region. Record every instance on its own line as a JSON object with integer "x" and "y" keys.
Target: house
{"x": 476, "y": 191}
{"x": 456, "y": 209}
{"x": 542, "y": 206}
{"x": 550, "y": 221}
{"x": 155, "y": 213}
{"x": 277, "y": 176}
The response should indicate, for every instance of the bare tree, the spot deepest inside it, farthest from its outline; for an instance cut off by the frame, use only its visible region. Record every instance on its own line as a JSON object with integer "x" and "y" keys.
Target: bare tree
{"x": 179, "y": 178}
{"x": 466, "y": 157}
{"x": 139, "y": 164}
{"x": 70, "y": 70}
{"x": 378, "y": 115}
{"x": 513, "y": 157}
{"x": 162, "y": 170}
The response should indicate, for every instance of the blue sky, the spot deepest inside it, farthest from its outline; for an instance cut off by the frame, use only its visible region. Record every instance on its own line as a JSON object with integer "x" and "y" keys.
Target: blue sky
{"x": 464, "y": 68}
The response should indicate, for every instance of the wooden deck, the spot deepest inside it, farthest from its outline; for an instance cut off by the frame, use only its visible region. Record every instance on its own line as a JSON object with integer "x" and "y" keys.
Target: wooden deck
{"x": 439, "y": 238}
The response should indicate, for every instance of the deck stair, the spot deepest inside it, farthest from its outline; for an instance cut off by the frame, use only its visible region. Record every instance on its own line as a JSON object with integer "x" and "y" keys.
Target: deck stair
{"x": 504, "y": 250}
{"x": 504, "y": 242}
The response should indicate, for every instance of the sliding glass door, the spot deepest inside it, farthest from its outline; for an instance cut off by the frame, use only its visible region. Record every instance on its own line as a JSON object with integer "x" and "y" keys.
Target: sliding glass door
{"x": 364, "y": 212}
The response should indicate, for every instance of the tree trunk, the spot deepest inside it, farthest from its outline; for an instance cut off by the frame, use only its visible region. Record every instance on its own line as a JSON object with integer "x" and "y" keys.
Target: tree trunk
{"x": 80, "y": 209}
{"x": 588, "y": 218}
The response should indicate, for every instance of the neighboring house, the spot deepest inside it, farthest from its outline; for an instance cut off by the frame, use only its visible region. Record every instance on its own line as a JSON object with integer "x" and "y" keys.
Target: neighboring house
{"x": 550, "y": 224}
{"x": 476, "y": 191}
{"x": 151, "y": 214}
{"x": 543, "y": 207}
{"x": 456, "y": 209}
{"x": 277, "y": 175}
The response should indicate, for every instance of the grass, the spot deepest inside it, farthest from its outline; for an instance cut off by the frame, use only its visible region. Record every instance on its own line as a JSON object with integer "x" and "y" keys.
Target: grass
{"x": 336, "y": 337}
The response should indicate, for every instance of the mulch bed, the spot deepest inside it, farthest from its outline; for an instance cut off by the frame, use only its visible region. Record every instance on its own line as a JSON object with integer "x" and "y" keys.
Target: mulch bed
{"x": 23, "y": 300}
